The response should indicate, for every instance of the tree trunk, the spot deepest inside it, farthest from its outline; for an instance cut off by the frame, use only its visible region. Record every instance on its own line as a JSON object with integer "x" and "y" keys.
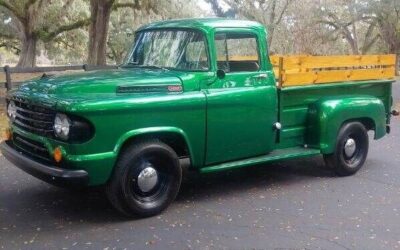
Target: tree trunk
{"x": 353, "y": 45}
{"x": 27, "y": 57}
{"x": 98, "y": 31}
{"x": 349, "y": 38}
{"x": 270, "y": 34}
{"x": 271, "y": 28}
{"x": 28, "y": 37}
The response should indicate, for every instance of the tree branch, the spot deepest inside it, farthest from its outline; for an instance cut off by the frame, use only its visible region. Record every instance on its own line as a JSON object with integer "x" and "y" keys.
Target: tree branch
{"x": 282, "y": 12}
{"x": 367, "y": 46}
{"x": 370, "y": 29}
{"x": 135, "y": 5}
{"x": 13, "y": 10}
{"x": 6, "y": 45}
{"x": 62, "y": 42}
{"x": 334, "y": 25}
{"x": 29, "y": 3}
{"x": 216, "y": 8}
{"x": 5, "y": 35}
{"x": 46, "y": 37}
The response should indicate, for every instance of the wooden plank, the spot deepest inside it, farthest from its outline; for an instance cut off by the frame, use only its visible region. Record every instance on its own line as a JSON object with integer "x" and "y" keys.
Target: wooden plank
{"x": 242, "y": 58}
{"x": 18, "y": 75}
{"x": 305, "y": 63}
{"x": 60, "y": 68}
{"x": 280, "y": 72}
{"x": 45, "y": 69}
{"x": 21, "y": 77}
{"x": 329, "y": 76}
{"x": 275, "y": 60}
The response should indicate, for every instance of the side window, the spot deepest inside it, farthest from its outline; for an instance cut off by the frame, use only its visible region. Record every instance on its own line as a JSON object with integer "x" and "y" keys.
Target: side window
{"x": 237, "y": 52}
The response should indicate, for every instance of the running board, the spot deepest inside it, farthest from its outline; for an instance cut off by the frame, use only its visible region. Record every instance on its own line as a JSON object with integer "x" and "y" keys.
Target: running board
{"x": 279, "y": 154}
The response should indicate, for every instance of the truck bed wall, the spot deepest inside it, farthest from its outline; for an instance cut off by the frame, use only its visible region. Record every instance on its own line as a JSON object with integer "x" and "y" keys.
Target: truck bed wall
{"x": 295, "y": 101}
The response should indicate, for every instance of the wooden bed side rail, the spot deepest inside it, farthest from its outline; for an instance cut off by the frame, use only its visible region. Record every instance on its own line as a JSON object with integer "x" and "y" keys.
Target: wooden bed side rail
{"x": 307, "y": 70}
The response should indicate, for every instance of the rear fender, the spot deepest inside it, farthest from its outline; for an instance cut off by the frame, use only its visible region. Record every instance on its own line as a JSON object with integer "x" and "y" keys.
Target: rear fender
{"x": 326, "y": 116}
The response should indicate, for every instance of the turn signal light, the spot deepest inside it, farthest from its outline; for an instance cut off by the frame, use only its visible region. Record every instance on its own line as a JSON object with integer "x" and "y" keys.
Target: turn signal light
{"x": 57, "y": 154}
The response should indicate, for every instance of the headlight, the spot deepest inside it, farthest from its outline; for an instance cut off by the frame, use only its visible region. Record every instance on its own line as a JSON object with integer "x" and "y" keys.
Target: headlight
{"x": 12, "y": 110}
{"x": 72, "y": 128}
{"x": 62, "y": 126}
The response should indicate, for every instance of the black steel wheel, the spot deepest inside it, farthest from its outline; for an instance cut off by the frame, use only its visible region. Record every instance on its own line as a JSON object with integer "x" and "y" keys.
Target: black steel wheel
{"x": 351, "y": 149}
{"x": 146, "y": 179}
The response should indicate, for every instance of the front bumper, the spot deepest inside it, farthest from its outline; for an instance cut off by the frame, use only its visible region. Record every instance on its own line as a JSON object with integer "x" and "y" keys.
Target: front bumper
{"x": 50, "y": 174}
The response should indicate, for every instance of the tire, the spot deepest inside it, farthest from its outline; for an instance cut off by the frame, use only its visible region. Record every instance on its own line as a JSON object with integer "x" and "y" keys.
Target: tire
{"x": 146, "y": 179}
{"x": 351, "y": 149}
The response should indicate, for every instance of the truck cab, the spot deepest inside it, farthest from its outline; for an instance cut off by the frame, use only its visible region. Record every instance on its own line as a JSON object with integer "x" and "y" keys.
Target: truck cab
{"x": 204, "y": 91}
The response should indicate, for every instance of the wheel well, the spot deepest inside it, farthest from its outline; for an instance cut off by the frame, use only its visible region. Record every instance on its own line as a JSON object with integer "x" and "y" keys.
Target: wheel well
{"x": 368, "y": 123}
{"x": 176, "y": 141}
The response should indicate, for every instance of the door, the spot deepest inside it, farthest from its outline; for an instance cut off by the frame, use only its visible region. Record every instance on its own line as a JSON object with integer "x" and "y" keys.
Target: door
{"x": 242, "y": 105}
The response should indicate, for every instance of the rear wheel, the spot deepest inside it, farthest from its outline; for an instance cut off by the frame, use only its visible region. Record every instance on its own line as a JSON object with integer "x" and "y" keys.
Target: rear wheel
{"x": 146, "y": 180}
{"x": 351, "y": 149}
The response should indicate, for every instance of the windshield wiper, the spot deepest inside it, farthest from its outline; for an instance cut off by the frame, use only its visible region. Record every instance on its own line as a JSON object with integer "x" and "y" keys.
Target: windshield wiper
{"x": 136, "y": 65}
{"x": 129, "y": 65}
{"x": 152, "y": 67}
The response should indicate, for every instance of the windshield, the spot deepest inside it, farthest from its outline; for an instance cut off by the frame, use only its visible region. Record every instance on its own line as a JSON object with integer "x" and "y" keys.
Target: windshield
{"x": 169, "y": 49}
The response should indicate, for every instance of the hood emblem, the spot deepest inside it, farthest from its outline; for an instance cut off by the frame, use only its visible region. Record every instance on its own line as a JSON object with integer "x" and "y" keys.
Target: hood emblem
{"x": 175, "y": 88}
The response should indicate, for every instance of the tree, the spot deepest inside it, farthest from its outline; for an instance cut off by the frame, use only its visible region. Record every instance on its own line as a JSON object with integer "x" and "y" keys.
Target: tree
{"x": 387, "y": 15}
{"x": 122, "y": 28}
{"x": 351, "y": 21}
{"x": 8, "y": 39}
{"x": 124, "y": 22}
{"x": 100, "y": 20}
{"x": 268, "y": 12}
{"x": 39, "y": 20}
{"x": 219, "y": 10}
{"x": 100, "y": 16}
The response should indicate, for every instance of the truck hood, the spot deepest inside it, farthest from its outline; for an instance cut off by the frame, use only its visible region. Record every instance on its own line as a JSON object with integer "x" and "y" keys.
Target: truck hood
{"x": 99, "y": 82}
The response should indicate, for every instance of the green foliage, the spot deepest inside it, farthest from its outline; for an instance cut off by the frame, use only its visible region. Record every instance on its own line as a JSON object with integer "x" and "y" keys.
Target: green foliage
{"x": 295, "y": 26}
{"x": 121, "y": 33}
{"x": 124, "y": 22}
{"x": 68, "y": 47}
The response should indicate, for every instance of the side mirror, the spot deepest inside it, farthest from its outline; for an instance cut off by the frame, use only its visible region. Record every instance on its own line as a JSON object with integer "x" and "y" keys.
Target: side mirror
{"x": 220, "y": 73}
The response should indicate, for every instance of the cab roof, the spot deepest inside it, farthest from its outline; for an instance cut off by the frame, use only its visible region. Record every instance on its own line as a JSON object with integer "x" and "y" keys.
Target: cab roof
{"x": 206, "y": 24}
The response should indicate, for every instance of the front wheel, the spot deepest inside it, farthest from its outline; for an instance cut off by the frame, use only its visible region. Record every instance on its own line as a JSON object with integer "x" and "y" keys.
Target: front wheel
{"x": 146, "y": 179}
{"x": 351, "y": 149}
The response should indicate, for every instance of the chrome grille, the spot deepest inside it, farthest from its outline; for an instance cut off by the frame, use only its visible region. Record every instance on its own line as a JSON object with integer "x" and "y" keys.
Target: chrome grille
{"x": 34, "y": 119}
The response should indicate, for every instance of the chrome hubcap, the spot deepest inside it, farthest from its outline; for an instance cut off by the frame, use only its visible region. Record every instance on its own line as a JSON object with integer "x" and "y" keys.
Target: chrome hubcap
{"x": 147, "y": 179}
{"x": 350, "y": 147}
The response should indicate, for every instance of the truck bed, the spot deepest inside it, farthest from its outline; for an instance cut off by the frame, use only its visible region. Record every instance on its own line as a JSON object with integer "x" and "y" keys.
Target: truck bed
{"x": 294, "y": 104}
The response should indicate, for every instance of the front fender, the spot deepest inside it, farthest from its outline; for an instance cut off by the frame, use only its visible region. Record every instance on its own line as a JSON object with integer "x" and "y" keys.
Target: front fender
{"x": 326, "y": 116}
{"x": 148, "y": 131}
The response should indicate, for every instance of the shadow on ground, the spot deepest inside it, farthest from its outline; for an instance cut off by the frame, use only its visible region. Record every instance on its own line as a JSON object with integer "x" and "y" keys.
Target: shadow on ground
{"x": 92, "y": 206}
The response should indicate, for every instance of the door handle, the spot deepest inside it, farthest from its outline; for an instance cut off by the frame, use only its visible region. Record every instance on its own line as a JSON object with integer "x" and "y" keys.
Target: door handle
{"x": 261, "y": 76}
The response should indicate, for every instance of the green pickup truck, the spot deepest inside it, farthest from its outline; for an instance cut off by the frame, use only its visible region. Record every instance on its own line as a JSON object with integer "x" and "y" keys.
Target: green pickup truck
{"x": 185, "y": 94}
